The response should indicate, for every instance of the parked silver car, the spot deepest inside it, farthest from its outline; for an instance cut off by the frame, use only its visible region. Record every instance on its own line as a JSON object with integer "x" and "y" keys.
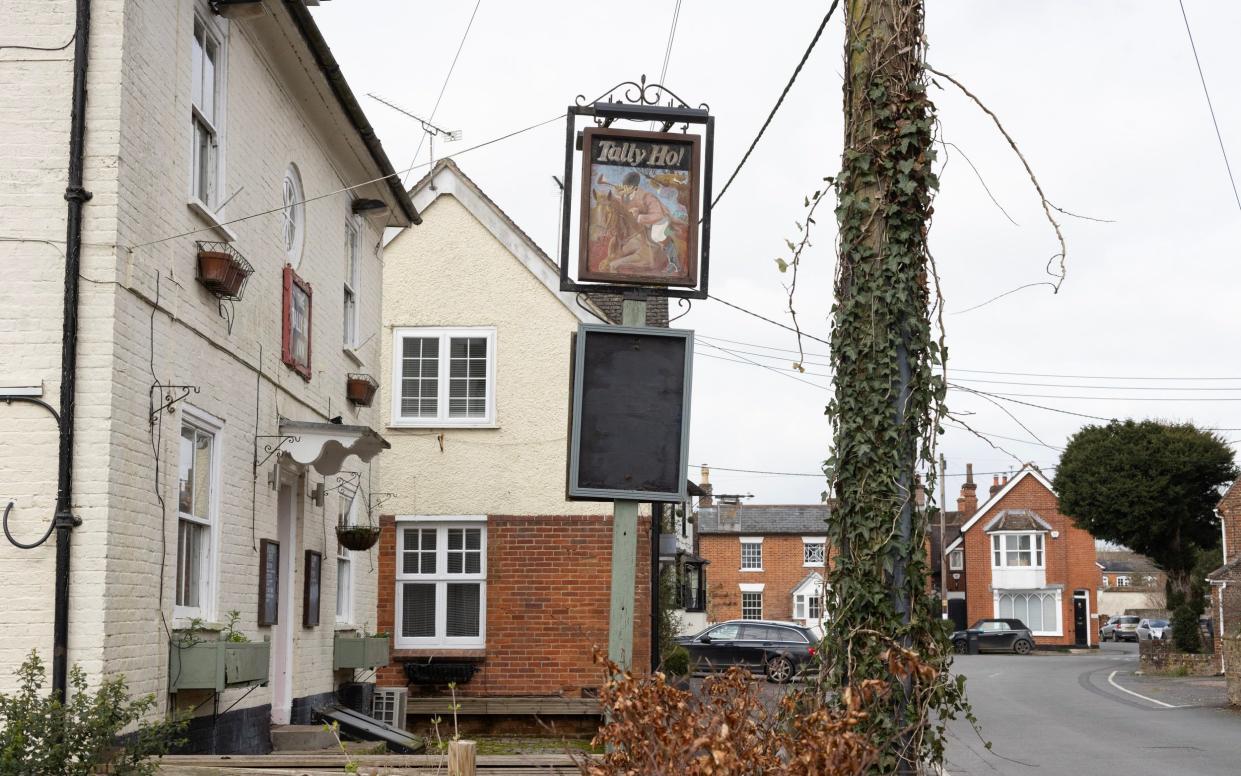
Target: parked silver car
{"x": 1153, "y": 629}
{"x": 1122, "y": 628}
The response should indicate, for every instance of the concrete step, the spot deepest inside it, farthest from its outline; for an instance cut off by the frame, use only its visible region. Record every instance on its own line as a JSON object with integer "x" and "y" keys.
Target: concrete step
{"x": 301, "y": 738}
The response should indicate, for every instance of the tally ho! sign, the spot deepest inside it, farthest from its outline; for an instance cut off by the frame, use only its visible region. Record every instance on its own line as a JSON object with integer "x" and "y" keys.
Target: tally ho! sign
{"x": 639, "y": 212}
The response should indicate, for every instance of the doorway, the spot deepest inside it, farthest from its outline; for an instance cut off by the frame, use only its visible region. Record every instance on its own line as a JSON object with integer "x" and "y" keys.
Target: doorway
{"x": 287, "y": 518}
{"x": 956, "y": 613}
{"x": 1081, "y": 618}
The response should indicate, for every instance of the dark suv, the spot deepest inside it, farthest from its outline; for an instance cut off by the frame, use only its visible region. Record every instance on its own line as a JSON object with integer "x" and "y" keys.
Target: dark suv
{"x": 996, "y": 636}
{"x": 778, "y": 649}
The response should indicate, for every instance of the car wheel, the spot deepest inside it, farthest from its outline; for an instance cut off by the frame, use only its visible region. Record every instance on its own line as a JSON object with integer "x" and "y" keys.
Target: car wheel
{"x": 960, "y": 647}
{"x": 1022, "y": 647}
{"x": 780, "y": 670}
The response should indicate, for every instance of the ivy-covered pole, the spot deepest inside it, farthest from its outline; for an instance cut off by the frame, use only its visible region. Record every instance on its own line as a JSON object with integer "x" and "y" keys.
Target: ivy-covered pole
{"x": 887, "y": 399}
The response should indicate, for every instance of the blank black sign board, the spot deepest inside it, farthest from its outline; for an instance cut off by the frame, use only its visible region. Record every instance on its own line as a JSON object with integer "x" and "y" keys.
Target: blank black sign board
{"x": 630, "y": 413}
{"x": 269, "y": 582}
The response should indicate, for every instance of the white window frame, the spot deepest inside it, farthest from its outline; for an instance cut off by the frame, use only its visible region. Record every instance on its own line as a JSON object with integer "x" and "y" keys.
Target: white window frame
{"x": 445, "y": 335}
{"x": 751, "y": 541}
{"x": 1057, "y": 595}
{"x": 217, "y": 31}
{"x": 352, "y": 284}
{"x": 1124, "y": 580}
{"x": 344, "y": 584}
{"x": 1000, "y": 549}
{"x": 441, "y": 578}
{"x": 956, "y": 560}
{"x": 807, "y": 542}
{"x": 209, "y": 424}
{"x": 758, "y": 593}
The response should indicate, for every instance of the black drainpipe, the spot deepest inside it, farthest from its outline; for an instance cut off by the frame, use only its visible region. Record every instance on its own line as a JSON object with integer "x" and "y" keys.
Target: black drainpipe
{"x": 76, "y": 196}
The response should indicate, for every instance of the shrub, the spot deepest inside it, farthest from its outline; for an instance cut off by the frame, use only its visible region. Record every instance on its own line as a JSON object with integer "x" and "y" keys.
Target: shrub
{"x": 676, "y": 662}
{"x": 40, "y": 736}
{"x": 728, "y": 728}
{"x": 1185, "y": 634}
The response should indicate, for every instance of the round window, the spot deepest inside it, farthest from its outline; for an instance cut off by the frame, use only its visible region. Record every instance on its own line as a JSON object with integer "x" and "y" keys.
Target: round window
{"x": 293, "y": 216}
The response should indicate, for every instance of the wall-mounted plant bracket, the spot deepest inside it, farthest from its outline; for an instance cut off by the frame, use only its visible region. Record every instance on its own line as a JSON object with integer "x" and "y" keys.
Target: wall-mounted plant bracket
{"x": 171, "y": 398}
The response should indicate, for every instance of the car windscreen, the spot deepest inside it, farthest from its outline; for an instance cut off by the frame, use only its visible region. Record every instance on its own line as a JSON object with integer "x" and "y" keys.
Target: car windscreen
{"x": 1157, "y": 624}
{"x": 1127, "y": 620}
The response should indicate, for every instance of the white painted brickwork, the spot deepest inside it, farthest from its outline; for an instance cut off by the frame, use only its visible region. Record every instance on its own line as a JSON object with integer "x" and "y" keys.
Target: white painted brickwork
{"x": 138, "y": 158}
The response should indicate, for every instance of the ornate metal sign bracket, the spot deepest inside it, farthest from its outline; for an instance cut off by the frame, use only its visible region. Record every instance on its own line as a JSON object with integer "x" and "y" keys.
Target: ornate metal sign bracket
{"x": 171, "y": 398}
{"x": 271, "y": 449}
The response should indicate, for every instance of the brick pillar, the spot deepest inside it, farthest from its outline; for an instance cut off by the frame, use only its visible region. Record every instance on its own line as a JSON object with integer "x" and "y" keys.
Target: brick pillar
{"x": 385, "y": 608}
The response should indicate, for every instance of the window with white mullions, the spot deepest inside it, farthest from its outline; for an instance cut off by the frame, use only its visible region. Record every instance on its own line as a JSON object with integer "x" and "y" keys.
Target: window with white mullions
{"x": 956, "y": 560}
{"x": 441, "y": 585}
{"x": 352, "y": 251}
{"x": 1017, "y": 550}
{"x": 204, "y": 114}
{"x": 1040, "y": 612}
{"x": 196, "y": 514}
{"x": 293, "y": 215}
{"x": 751, "y": 556}
{"x": 467, "y": 377}
{"x": 751, "y": 605}
{"x": 348, "y": 515}
{"x": 447, "y": 377}
{"x": 813, "y": 553}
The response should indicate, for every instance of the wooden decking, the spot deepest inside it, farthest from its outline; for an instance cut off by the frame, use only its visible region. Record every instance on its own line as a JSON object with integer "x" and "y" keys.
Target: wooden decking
{"x": 368, "y": 765}
{"x": 537, "y": 706}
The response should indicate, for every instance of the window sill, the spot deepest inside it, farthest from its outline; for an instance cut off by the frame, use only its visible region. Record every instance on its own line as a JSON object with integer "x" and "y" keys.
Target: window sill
{"x": 203, "y": 212}
{"x": 353, "y": 356}
{"x": 751, "y": 571}
{"x": 444, "y": 426}
{"x": 456, "y": 653}
{"x": 812, "y": 565}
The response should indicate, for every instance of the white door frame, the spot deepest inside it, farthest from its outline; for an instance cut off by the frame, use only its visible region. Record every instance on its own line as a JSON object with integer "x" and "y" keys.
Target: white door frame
{"x": 288, "y": 516}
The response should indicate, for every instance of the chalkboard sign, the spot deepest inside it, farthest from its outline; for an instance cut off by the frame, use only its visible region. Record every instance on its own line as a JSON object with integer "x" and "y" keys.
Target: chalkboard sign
{"x": 269, "y": 582}
{"x": 310, "y": 595}
{"x": 630, "y": 415}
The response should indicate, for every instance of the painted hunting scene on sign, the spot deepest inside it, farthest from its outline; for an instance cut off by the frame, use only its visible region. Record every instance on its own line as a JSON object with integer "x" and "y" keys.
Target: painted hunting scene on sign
{"x": 639, "y": 208}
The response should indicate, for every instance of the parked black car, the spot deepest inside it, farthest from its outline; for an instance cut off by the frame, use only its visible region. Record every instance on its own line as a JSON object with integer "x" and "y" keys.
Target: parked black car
{"x": 778, "y": 649}
{"x": 996, "y": 636}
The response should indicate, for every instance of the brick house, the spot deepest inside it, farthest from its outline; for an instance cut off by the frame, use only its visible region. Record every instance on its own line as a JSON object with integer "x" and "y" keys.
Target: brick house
{"x": 198, "y": 128}
{"x": 1226, "y": 580}
{"x": 486, "y": 571}
{"x": 1025, "y": 559}
{"x": 954, "y": 589}
{"x": 767, "y": 561}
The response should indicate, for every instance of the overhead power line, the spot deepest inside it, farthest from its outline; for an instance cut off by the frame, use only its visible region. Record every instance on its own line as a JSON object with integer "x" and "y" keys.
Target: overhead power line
{"x": 765, "y": 318}
{"x": 1210, "y": 106}
{"x": 712, "y": 467}
{"x": 779, "y": 101}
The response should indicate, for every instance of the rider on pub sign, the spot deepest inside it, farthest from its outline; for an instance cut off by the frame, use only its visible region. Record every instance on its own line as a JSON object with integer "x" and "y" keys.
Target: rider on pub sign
{"x": 639, "y": 207}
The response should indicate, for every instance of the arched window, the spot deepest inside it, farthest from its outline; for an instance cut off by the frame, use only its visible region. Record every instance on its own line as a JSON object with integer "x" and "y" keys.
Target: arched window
{"x": 293, "y": 215}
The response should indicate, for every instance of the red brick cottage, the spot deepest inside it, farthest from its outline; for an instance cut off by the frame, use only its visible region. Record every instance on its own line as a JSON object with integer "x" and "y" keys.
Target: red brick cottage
{"x": 1024, "y": 559}
{"x": 1226, "y": 580}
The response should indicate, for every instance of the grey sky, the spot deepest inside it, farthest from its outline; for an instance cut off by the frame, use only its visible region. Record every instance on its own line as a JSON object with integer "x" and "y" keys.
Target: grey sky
{"x": 1102, "y": 97}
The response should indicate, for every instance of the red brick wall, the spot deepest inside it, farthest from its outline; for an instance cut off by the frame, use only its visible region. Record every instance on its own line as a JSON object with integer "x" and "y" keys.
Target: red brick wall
{"x": 1070, "y": 559}
{"x": 783, "y": 568}
{"x": 548, "y": 595}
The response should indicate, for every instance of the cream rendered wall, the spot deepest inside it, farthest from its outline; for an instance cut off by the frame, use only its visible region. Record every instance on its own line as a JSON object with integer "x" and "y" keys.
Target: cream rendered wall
{"x": 138, "y": 169}
{"x": 451, "y": 271}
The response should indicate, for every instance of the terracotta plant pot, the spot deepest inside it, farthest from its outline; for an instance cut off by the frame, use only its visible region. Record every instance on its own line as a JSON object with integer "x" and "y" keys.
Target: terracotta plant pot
{"x": 361, "y": 390}
{"x": 357, "y": 537}
{"x": 214, "y": 268}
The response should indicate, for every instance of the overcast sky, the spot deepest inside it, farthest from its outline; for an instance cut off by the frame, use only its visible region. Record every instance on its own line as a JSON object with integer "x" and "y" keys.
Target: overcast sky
{"x": 1102, "y": 97}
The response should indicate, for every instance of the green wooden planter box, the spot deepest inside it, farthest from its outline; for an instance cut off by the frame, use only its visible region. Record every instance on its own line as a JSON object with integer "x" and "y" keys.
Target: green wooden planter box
{"x": 355, "y": 652}
{"x": 214, "y": 665}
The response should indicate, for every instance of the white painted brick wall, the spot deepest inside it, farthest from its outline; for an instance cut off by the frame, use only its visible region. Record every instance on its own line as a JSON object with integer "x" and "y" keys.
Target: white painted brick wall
{"x": 138, "y": 169}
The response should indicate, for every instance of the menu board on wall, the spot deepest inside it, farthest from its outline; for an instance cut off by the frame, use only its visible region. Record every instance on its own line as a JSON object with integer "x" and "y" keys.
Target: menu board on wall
{"x": 310, "y": 595}
{"x": 269, "y": 582}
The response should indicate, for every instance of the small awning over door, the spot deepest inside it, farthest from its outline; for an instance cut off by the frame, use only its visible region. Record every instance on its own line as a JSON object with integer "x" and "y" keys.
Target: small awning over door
{"x": 325, "y": 446}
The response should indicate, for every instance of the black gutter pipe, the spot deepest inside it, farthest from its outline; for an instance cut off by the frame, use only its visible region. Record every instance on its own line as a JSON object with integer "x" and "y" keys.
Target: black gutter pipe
{"x": 76, "y": 196}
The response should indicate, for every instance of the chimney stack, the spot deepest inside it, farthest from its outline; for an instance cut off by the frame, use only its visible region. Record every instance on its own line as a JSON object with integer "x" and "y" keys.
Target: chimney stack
{"x": 705, "y": 483}
{"x": 920, "y": 494}
{"x": 967, "y": 503}
{"x": 995, "y": 484}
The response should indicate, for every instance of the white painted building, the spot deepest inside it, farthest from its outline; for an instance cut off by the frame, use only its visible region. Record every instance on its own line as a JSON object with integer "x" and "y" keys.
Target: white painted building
{"x": 198, "y": 128}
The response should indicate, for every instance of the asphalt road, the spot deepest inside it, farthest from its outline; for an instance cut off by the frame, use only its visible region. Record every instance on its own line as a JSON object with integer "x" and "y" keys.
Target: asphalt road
{"x": 1060, "y": 714}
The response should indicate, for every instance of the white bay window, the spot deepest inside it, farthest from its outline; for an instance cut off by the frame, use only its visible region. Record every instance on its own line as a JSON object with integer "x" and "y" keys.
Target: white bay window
{"x": 441, "y": 584}
{"x": 1039, "y": 610}
{"x": 1017, "y": 550}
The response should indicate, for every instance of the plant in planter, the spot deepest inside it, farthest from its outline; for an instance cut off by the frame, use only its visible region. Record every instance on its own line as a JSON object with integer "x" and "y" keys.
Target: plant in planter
{"x": 222, "y": 270}
{"x": 360, "y": 389}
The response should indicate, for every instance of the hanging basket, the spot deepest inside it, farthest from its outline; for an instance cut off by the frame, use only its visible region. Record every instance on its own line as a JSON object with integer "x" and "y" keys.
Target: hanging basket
{"x": 360, "y": 389}
{"x": 357, "y": 537}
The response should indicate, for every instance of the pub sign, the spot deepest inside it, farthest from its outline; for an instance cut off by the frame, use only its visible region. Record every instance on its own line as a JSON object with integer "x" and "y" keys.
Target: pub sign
{"x": 639, "y": 211}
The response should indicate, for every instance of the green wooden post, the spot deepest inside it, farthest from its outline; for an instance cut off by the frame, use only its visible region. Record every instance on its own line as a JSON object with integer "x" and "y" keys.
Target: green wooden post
{"x": 624, "y": 546}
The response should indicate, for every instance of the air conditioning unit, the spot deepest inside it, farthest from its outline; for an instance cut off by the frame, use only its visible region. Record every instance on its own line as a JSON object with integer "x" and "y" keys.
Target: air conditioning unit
{"x": 390, "y": 705}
